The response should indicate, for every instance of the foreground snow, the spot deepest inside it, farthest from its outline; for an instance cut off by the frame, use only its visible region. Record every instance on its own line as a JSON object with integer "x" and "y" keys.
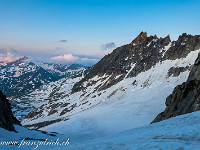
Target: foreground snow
{"x": 180, "y": 132}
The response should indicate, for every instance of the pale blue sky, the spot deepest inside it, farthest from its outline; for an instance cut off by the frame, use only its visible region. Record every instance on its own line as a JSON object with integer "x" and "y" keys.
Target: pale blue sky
{"x": 32, "y": 26}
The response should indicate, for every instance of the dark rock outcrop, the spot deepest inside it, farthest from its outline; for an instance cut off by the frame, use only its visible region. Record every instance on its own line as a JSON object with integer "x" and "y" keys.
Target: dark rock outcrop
{"x": 175, "y": 71}
{"x": 185, "y": 98}
{"x": 7, "y": 118}
{"x": 182, "y": 47}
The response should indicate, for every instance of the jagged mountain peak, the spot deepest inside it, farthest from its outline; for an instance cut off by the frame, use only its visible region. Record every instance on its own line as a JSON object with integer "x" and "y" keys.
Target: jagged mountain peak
{"x": 184, "y": 38}
{"x": 168, "y": 36}
{"x": 141, "y": 37}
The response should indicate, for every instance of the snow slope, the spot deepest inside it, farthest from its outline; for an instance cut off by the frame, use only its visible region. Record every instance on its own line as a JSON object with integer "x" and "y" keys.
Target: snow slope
{"x": 22, "y": 140}
{"x": 175, "y": 133}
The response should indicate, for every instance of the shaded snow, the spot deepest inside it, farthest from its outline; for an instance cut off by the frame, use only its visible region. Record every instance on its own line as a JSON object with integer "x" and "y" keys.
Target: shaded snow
{"x": 180, "y": 132}
{"x": 176, "y": 133}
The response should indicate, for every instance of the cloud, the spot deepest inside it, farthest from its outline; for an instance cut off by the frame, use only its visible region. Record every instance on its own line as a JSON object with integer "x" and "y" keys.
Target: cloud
{"x": 8, "y": 57}
{"x": 84, "y": 59}
{"x": 75, "y": 59}
{"x": 65, "y": 57}
{"x": 108, "y": 46}
{"x": 88, "y": 61}
{"x": 63, "y": 41}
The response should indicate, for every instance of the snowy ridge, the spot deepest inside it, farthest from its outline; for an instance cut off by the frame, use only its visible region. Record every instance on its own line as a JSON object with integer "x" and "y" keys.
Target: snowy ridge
{"x": 20, "y": 77}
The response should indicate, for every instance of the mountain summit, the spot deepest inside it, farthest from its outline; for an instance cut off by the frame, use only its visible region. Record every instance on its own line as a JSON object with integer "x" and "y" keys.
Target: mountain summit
{"x": 140, "y": 38}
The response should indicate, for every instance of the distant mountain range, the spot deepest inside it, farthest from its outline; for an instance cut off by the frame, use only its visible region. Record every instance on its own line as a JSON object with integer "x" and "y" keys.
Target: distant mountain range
{"x": 22, "y": 76}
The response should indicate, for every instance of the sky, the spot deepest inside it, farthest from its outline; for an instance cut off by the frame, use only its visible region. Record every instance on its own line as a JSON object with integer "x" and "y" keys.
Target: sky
{"x": 84, "y": 31}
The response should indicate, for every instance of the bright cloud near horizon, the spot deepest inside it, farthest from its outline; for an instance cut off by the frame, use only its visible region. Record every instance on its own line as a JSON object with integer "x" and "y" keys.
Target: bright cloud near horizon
{"x": 66, "y": 31}
{"x": 70, "y": 59}
{"x": 8, "y": 57}
{"x": 65, "y": 57}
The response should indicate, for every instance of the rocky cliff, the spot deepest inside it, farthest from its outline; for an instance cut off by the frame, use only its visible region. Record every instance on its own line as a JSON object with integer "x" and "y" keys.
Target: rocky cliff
{"x": 6, "y": 116}
{"x": 185, "y": 98}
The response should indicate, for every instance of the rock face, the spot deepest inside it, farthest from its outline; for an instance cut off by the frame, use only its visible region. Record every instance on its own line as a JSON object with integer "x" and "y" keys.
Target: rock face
{"x": 175, "y": 71}
{"x": 185, "y": 98}
{"x": 6, "y": 116}
{"x": 138, "y": 56}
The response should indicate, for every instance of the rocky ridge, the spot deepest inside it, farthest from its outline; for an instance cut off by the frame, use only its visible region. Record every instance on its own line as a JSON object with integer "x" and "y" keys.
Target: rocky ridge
{"x": 138, "y": 56}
